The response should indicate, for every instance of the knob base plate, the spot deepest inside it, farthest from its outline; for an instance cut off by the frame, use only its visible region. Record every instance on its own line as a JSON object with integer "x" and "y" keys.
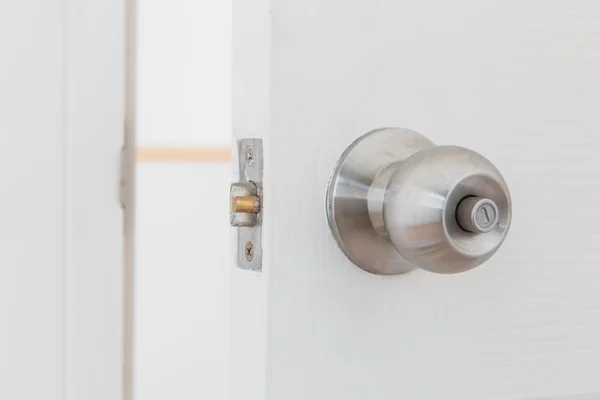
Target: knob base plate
{"x": 351, "y": 190}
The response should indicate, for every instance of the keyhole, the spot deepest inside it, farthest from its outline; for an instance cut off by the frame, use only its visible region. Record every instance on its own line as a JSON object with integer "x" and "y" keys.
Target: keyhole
{"x": 485, "y": 215}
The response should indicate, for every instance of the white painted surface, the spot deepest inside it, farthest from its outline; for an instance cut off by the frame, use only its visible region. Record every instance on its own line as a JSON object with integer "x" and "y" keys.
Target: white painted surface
{"x": 517, "y": 81}
{"x": 251, "y": 90}
{"x": 61, "y": 128}
{"x": 184, "y": 72}
{"x": 32, "y": 286}
{"x": 94, "y": 251}
{"x": 182, "y": 315}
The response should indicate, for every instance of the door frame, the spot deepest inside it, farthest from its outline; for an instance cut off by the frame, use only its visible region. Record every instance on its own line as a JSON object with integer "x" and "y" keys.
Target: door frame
{"x": 99, "y": 92}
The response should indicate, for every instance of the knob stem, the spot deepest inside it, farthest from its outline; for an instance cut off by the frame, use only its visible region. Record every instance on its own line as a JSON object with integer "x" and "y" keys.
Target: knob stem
{"x": 376, "y": 196}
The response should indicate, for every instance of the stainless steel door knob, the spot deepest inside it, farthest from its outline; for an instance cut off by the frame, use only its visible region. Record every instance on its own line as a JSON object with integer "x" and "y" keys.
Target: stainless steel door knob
{"x": 397, "y": 202}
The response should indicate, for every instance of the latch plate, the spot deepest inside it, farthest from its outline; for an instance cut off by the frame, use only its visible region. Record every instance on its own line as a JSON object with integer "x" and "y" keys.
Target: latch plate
{"x": 247, "y": 204}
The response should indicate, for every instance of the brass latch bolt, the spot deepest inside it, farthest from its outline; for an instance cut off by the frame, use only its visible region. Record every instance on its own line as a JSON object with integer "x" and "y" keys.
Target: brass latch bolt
{"x": 245, "y": 204}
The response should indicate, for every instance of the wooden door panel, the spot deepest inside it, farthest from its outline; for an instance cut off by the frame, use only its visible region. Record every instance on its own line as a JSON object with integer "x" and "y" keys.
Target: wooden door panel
{"x": 516, "y": 81}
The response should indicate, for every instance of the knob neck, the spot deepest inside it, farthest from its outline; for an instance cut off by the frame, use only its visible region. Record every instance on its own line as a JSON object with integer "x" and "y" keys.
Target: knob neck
{"x": 376, "y": 196}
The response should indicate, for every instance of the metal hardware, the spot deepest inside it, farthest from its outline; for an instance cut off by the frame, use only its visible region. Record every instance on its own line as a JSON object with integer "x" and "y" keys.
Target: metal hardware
{"x": 475, "y": 214}
{"x": 246, "y": 204}
{"x": 123, "y": 172}
{"x": 249, "y": 156}
{"x": 397, "y": 202}
{"x": 249, "y": 251}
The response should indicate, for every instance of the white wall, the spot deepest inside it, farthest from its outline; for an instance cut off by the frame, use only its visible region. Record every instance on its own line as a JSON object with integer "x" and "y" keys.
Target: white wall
{"x": 32, "y": 206}
{"x": 181, "y": 312}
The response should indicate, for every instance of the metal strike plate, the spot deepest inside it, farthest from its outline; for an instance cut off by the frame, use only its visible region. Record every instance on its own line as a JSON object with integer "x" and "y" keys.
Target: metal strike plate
{"x": 246, "y": 204}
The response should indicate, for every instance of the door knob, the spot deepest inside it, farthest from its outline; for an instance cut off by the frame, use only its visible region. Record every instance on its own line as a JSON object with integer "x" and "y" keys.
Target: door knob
{"x": 397, "y": 202}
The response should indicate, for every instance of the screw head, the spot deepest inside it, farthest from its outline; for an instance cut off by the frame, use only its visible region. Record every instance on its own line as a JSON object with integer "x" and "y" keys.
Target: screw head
{"x": 249, "y": 156}
{"x": 249, "y": 251}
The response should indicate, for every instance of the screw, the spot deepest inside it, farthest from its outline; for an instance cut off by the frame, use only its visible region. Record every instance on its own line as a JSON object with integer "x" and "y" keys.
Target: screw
{"x": 249, "y": 251}
{"x": 249, "y": 156}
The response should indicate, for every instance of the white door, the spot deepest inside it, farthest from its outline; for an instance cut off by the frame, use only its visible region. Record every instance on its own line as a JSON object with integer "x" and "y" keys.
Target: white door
{"x": 517, "y": 81}
{"x": 62, "y": 113}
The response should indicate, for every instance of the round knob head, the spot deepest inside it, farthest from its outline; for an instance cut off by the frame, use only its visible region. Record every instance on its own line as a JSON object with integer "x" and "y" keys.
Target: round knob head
{"x": 447, "y": 209}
